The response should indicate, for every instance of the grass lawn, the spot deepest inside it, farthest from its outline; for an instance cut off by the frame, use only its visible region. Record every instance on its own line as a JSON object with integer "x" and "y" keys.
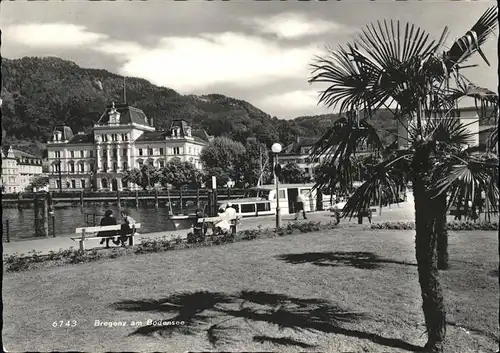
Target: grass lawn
{"x": 345, "y": 290}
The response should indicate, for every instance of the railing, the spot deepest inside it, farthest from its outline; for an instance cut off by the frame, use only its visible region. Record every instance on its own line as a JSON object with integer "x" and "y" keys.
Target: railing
{"x": 6, "y": 230}
{"x": 128, "y": 193}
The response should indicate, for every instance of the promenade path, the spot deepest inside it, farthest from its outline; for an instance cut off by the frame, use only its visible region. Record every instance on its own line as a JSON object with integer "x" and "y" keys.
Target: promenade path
{"x": 403, "y": 212}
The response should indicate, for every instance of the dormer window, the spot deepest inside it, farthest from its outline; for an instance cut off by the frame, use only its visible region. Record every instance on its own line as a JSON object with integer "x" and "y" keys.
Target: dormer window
{"x": 114, "y": 116}
{"x": 58, "y": 136}
{"x": 188, "y": 131}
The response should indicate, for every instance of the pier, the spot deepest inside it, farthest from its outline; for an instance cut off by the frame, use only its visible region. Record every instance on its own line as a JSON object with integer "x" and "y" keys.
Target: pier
{"x": 27, "y": 199}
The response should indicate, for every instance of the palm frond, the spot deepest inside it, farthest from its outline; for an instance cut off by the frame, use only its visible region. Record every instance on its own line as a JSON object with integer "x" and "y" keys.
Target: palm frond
{"x": 345, "y": 138}
{"x": 384, "y": 183}
{"x": 471, "y": 42}
{"x": 492, "y": 141}
{"x": 472, "y": 176}
{"x": 449, "y": 131}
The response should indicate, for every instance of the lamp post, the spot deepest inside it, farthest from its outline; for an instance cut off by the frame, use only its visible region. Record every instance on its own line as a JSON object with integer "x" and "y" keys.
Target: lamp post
{"x": 276, "y": 149}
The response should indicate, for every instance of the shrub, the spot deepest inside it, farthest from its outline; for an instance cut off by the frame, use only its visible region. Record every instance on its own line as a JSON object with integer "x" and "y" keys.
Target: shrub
{"x": 467, "y": 225}
{"x": 20, "y": 262}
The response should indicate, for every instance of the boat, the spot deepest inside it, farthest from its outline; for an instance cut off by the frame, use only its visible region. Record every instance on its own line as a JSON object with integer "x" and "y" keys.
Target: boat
{"x": 261, "y": 200}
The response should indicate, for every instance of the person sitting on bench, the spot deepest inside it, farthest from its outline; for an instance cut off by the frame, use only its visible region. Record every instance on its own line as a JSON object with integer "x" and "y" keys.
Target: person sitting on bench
{"x": 107, "y": 220}
{"x": 126, "y": 229}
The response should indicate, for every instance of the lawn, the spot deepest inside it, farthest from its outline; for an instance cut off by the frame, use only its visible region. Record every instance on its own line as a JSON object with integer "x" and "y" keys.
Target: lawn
{"x": 345, "y": 290}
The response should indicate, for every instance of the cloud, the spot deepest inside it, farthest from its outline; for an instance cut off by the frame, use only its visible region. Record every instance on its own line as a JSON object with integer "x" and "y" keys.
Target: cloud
{"x": 51, "y": 35}
{"x": 195, "y": 63}
{"x": 291, "y": 25}
{"x": 293, "y": 102}
{"x": 117, "y": 47}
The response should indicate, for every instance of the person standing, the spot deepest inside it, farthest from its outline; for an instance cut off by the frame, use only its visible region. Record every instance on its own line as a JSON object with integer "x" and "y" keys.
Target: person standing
{"x": 301, "y": 202}
{"x": 107, "y": 220}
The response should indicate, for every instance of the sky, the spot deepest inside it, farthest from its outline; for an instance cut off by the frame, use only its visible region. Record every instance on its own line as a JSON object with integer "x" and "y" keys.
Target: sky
{"x": 260, "y": 52}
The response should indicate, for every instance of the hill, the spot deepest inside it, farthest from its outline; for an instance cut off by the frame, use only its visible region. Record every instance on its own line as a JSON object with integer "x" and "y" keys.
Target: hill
{"x": 38, "y": 93}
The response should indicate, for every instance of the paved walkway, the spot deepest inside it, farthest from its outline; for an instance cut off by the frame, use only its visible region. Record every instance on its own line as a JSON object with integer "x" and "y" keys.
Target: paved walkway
{"x": 396, "y": 213}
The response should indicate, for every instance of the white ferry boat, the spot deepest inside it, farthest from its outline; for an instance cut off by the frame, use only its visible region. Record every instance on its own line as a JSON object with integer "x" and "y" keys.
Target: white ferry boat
{"x": 261, "y": 200}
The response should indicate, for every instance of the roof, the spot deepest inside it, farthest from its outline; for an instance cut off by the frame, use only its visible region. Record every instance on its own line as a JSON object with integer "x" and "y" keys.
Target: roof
{"x": 128, "y": 115}
{"x": 82, "y": 139}
{"x": 67, "y": 133}
{"x": 155, "y": 136}
{"x": 19, "y": 154}
{"x": 294, "y": 148}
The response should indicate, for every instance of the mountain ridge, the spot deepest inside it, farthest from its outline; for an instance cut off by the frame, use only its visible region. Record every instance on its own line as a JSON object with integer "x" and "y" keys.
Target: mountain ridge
{"x": 41, "y": 92}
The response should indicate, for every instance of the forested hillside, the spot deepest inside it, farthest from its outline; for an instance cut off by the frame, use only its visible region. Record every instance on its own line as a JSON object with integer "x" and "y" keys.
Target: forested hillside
{"x": 38, "y": 93}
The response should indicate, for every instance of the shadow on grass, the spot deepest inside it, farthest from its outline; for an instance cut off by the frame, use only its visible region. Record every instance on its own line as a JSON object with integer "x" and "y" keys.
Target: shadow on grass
{"x": 223, "y": 317}
{"x": 358, "y": 259}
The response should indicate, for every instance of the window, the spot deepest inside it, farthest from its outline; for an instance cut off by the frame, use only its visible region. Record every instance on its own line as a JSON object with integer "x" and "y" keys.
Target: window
{"x": 151, "y": 151}
{"x": 82, "y": 167}
{"x": 176, "y": 150}
{"x": 82, "y": 154}
{"x": 162, "y": 164}
{"x": 91, "y": 154}
{"x": 189, "y": 150}
{"x": 124, "y": 183}
{"x": 125, "y": 152}
{"x": 306, "y": 170}
{"x": 124, "y": 137}
{"x": 248, "y": 208}
{"x": 104, "y": 183}
{"x": 114, "y": 137}
{"x": 125, "y": 165}
{"x": 58, "y": 184}
{"x": 264, "y": 206}
{"x": 161, "y": 151}
{"x": 282, "y": 195}
{"x": 115, "y": 153}
{"x": 73, "y": 184}
{"x": 104, "y": 153}
{"x": 82, "y": 183}
{"x": 91, "y": 167}
{"x": 57, "y": 154}
{"x": 71, "y": 167}
{"x": 105, "y": 138}
{"x": 140, "y": 151}
{"x": 115, "y": 167}
{"x": 105, "y": 167}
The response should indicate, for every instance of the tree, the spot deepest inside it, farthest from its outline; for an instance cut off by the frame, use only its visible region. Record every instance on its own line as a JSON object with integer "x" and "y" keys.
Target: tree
{"x": 178, "y": 173}
{"x": 402, "y": 69}
{"x": 145, "y": 177}
{"x": 253, "y": 164}
{"x": 38, "y": 182}
{"x": 220, "y": 158}
{"x": 291, "y": 173}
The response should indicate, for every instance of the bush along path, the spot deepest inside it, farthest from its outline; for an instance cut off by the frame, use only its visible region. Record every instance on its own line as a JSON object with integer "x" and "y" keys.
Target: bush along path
{"x": 35, "y": 260}
{"x": 467, "y": 225}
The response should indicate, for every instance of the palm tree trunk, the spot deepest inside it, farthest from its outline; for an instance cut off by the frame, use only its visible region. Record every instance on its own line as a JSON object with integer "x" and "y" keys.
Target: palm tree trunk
{"x": 426, "y": 254}
{"x": 442, "y": 233}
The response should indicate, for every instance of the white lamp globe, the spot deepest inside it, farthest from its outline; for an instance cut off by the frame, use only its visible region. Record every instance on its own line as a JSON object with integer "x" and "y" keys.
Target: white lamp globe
{"x": 276, "y": 148}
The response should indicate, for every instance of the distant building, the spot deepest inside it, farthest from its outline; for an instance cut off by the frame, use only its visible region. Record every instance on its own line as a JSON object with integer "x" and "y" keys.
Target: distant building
{"x": 122, "y": 139}
{"x": 18, "y": 170}
{"x": 469, "y": 117}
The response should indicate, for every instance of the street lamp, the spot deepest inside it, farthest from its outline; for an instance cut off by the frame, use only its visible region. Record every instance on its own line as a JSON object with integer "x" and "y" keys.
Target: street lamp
{"x": 276, "y": 149}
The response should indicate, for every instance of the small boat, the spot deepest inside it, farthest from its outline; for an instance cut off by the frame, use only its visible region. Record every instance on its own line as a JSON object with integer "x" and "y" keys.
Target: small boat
{"x": 183, "y": 216}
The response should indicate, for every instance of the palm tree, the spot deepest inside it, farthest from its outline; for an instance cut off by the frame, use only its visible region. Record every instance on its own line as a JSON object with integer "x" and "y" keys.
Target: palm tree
{"x": 400, "y": 68}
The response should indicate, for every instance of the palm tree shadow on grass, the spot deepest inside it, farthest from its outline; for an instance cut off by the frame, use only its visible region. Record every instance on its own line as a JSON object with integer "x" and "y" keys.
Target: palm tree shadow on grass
{"x": 358, "y": 259}
{"x": 222, "y": 317}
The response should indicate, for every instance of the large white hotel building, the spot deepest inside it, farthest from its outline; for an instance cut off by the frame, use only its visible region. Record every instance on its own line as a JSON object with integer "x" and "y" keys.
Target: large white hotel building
{"x": 122, "y": 139}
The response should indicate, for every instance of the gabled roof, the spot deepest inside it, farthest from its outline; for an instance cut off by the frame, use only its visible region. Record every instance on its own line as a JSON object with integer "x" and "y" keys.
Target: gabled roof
{"x": 128, "y": 115}
{"x": 19, "y": 154}
{"x": 67, "y": 133}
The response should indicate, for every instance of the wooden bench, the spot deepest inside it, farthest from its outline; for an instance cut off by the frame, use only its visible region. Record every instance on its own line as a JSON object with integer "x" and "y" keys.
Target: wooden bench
{"x": 85, "y": 232}
{"x": 211, "y": 221}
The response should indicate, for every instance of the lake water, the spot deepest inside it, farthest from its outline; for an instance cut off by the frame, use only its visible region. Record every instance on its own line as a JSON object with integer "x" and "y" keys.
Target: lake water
{"x": 22, "y": 222}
